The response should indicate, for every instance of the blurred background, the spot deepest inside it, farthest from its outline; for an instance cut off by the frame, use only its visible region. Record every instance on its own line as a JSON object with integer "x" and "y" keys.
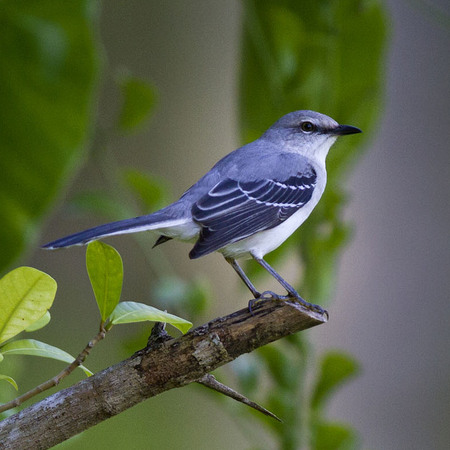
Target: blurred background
{"x": 388, "y": 299}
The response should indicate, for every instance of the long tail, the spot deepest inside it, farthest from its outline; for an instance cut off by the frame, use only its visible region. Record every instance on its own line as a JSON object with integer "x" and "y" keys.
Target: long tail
{"x": 153, "y": 221}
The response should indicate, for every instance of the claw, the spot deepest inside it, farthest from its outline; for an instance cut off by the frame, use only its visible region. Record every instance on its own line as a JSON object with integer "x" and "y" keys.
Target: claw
{"x": 269, "y": 295}
{"x": 266, "y": 295}
{"x": 311, "y": 306}
{"x": 251, "y": 304}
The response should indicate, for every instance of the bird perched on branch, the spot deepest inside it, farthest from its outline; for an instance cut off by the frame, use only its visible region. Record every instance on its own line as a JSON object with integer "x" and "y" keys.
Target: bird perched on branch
{"x": 249, "y": 203}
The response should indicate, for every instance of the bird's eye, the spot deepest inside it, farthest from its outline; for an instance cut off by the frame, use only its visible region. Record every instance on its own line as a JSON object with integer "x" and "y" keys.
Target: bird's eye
{"x": 307, "y": 127}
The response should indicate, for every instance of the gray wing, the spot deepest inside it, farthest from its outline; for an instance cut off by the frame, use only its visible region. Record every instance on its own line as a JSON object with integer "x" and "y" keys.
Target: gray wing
{"x": 233, "y": 210}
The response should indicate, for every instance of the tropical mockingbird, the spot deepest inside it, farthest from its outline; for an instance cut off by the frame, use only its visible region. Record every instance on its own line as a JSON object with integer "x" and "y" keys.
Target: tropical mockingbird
{"x": 250, "y": 202}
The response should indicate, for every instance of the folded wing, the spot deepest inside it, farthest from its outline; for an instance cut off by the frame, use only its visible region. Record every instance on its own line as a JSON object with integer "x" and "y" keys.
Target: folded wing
{"x": 233, "y": 210}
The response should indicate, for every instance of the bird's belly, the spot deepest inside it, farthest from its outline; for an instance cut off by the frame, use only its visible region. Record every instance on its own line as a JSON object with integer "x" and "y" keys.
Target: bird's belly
{"x": 264, "y": 242}
{"x": 187, "y": 231}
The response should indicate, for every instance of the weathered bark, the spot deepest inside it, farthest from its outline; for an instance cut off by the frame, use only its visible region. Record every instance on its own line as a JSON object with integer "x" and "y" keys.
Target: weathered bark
{"x": 165, "y": 365}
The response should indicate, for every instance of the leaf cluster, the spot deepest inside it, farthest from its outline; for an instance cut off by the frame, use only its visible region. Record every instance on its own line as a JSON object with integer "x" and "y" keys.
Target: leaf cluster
{"x": 26, "y": 295}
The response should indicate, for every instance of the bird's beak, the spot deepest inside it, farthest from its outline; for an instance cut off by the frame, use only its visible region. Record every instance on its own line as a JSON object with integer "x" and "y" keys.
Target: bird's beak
{"x": 345, "y": 129}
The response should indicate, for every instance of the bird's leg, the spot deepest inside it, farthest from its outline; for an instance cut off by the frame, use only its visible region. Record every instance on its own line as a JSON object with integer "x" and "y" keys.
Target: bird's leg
{"x": 291, "y": 291}
{"x": 233, "y": 263}
{"x": 258, "y": 296}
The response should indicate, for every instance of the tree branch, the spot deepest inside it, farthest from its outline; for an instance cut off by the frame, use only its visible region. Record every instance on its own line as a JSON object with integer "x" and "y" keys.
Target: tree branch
{"x": 57, "y": 378}
{"x": 163, "y": 366}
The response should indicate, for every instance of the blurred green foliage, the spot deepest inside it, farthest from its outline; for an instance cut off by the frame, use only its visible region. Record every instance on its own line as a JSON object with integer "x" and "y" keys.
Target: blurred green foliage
{"x": 328, "y": 57}
{"x": 150, "y": 190}
{"x": 334, "y": 436}
{"x": 48, "y": 84}
{"x": 139, "y": 99}
{"x": 335, "y": 368}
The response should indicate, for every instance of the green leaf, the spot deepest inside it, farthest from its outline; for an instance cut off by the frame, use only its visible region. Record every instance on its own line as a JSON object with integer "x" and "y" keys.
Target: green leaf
{"x": 130, "y": 312}
{"x": 139, "y": 100}
{"x": 105, "y": 270}
{"x": 48, "y": 81}
{"x": 335, "y": 369}
{"x": 40, "y": 323}
{"x": 25, "y": 296}
{"x": 151, "y": 190}
{"x": 331, "y": 436}
{"x": 37, "y": 348}
{"x": 10, "y": 381}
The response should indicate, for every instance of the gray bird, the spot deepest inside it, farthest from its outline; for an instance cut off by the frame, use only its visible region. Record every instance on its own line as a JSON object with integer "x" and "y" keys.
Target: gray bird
{"x": 249, "y": 203}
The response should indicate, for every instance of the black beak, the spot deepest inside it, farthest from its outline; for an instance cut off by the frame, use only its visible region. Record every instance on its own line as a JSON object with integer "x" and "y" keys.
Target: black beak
{"x": 342, "y": 130}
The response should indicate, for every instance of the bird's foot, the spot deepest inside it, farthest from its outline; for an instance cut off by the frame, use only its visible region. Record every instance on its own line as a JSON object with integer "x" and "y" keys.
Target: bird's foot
{"x": 260, "y": 298}
{"x": 269, "y": 295}
{"x": 311, "y": 306}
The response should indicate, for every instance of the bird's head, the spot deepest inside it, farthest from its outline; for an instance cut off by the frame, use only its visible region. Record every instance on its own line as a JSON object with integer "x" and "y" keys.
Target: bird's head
{"x": 308, "y": 133}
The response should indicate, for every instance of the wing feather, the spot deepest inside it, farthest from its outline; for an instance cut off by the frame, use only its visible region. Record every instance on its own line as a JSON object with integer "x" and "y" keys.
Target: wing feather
{"x": 233, "y": 210}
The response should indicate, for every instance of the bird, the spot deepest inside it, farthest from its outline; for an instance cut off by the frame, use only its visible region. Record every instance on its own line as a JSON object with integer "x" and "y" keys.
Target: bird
{"x": 249, "y": 203}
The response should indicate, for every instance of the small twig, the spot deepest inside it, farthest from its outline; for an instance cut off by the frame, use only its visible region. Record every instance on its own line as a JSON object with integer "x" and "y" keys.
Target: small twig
{"x": 52, "y": 382}
{"x": 211, "y": 382}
